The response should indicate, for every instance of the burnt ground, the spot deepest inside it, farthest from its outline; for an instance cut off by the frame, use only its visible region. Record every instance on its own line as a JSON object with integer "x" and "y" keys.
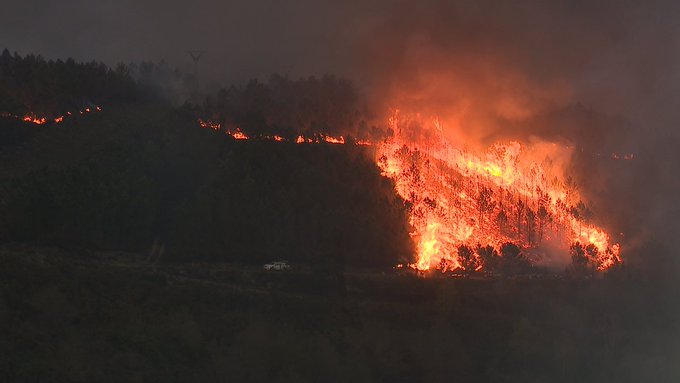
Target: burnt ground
{"x": 115, "y": 317}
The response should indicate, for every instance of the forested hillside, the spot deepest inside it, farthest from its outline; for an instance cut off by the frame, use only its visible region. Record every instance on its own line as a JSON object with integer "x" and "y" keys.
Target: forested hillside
{"x": 33, "y": 85}
{"x": 142, "y": 171}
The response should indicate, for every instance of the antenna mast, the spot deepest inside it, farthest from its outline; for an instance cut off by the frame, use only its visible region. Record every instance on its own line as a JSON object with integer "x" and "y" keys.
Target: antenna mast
{"x": 195, "y": 55}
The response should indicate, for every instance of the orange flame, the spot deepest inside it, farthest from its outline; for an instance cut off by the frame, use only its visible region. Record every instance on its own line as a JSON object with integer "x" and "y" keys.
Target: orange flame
{"x": 209, "y": 125}
{"x": 457, "y": 197}
{"x": 512, "y": 193}
{"x": 334, "y": 140}
{"x": 239, "y": 135}
{"x": 303, "y": 140}
{"x": 33, "y": 119}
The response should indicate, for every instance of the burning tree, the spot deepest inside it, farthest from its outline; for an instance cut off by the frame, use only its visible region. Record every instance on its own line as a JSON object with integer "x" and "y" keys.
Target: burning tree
{"x": 458, "y": 198}
{"x": 507, "y": 198}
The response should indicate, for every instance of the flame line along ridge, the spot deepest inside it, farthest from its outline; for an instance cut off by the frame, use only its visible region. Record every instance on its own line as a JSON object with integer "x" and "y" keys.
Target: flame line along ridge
{"x": 42, "y": 120}
{"x": 317, "y": 138}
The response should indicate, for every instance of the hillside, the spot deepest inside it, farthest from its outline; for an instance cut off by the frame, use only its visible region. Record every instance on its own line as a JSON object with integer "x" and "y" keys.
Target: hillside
{"x": 104, "y": 317}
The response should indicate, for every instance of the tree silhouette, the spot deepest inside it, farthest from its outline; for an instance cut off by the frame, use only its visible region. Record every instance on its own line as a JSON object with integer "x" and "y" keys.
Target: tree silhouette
{"x": 467, "y": 259}
{"x": 489, "y": 258}
{"x": 581, "y": 262}
{"x": 485, "y": 203}
{"x": 512, "y": 259}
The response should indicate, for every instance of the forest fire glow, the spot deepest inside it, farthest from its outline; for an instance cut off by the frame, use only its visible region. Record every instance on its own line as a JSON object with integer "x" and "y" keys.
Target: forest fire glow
{"x": 457, "y": 197}
{"x": 237, "y": 134}
{"x": 508, "y": 194}
{"x": 512, "y": 193}
{"x": 41, "y": 120}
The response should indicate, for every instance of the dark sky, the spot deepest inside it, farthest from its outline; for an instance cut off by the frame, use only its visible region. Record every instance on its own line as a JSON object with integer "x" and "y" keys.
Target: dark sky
{"x": 495, "y": 67}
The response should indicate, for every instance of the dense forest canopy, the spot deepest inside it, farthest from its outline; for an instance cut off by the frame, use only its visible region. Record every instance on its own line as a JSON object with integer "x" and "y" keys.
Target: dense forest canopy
{"x": 142, "y": 171}
{"x": 33, "y": 85}
{"x": 307, "y": 106}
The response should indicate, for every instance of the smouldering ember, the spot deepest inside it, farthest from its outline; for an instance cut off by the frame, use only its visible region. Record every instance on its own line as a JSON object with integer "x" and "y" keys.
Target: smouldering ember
{"x": 626, "y": 157}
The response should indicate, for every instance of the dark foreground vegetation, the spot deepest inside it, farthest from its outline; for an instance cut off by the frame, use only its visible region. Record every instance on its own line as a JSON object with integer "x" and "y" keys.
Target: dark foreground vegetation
{"x": 114, "y": 317}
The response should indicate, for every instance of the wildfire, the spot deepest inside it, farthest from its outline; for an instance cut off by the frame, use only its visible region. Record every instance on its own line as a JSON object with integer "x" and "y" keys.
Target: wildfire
{"x": 320, "y": 138}
{"x": 239, "y": 135}
{"x": 209, "y": 125}
{"x": 333, "y": 140}
{"x": 457, "y": 197}
{"x": 41, "y": 120}
{"x": 35, "y": 120}
{"x": 302, "y": 140}
{"x": 428, "y": 247}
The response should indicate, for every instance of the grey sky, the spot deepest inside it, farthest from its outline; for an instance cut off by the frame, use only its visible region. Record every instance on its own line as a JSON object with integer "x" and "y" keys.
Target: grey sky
{"x": 242, "y": 39}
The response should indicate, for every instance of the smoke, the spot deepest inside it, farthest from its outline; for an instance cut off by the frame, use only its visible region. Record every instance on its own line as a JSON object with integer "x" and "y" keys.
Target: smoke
{"x": 600, "y": 78}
